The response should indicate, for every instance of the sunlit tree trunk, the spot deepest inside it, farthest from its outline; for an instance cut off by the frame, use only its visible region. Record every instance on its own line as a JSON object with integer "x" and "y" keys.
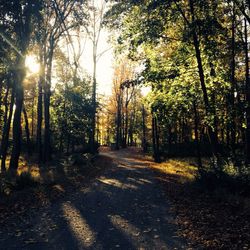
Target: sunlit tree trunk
{"x": 93, "y": 118}
{"x": 23, "y": 33}
{"x": 94, "y": 35}
{"x": 144, "y": 139}
{"x": 17, "y": 129}
{"x": 118, "y": 122}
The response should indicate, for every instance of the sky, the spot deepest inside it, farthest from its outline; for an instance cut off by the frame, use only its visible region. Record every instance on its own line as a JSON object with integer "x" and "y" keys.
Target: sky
{"x": 104, "y": 72}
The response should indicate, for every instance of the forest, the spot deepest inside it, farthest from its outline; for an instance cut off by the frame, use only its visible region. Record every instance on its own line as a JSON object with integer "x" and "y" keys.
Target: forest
{"x": 194, "y": 56}
{"x": 180, "y": 91}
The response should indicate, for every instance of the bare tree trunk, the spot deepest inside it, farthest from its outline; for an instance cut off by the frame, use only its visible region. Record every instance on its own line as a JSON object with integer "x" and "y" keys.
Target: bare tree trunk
{"x": 155, "y": 136}
{"x": 39, "y": 121}
{"x": 144, "y": 140}
{"x": 17, "y": 129}
{"x": 61, "y": 149}
{"x": 233, "y": 84}
{"x": 32, "y": 115}
{"x": 27, "y": 131}
{"x": 247, "y": 96}
{"x": 6, "y": 128}
{"x": 197, "y": 141}
{"x": 1, "y": 90}
{"x": 40, "y": 106}
{"x": 118, "y": 122}
{"x": 47, "y": 94}
{"x": 93, "y": 118}
{"x": 23, "y": 32}
{"x": 125, "y": 142}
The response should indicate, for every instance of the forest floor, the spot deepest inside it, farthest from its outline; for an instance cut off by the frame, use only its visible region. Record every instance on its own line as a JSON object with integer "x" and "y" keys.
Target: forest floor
{"x": 125, "y": 201}
{"x": 209, "y": 218}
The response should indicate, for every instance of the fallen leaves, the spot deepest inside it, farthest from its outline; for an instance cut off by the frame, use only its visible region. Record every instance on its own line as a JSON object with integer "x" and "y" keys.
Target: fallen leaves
{"x": 208, "y": 220}
{"x": 16, "y": 209}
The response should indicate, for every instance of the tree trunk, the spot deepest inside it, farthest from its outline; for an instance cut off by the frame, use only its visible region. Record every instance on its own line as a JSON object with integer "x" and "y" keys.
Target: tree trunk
{"x": 93, "y": 117}
{"x": 118, "y": 122}
{"x": 155, "y": 137}
{"x": 23, "y": 32}
{"x": 247, "y": 96}
{"x": 47, "y": 150}
{"x": 27, "y": 131}
{"x": 47, "y": 94}
{"x": 39, "y": 120}
{"x": 125, "y": 141}
{"x": 196, "y": 43}
{"x": 17, "y": 129}
{"x": 233, "y": 84}
{"x": 6, "y": 129}
{"x": 33, "y": 115}
{"x": 197, "y": 142}
{"x": 144, "y": 140}
{"x": 1, "y": 90}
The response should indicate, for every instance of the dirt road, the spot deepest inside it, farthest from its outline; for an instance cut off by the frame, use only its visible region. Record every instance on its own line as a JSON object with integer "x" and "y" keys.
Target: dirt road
{"x": 124, "y": 208}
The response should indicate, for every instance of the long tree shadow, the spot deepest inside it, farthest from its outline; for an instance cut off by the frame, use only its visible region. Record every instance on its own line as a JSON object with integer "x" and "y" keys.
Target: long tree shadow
{"x": 125, "y": 208}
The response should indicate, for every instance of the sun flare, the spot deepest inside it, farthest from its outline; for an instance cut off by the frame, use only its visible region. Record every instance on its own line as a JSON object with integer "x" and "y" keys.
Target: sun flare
{"x": 32, "y": 65}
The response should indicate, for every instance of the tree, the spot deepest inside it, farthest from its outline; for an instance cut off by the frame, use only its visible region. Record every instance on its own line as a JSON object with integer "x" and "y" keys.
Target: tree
{"x": 94, "y": 28}
{"x": 20, "y": 13}
{"x": 183, "y": 45}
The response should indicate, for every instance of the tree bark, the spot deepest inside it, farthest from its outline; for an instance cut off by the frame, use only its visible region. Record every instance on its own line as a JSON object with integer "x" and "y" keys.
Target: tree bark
{"x": 1, "y": 102}
{"x": 6, "y": 129}
{"x": 197, "y": 141}
{"x": 17, "y": 129}
{"x": 118, "y": 122}
{"x": 47, "y": 95}
{"x": 196, "y": 43}
{"x": 27, "y": 131}
{"x": 144, "y": 140}
{"x": 23, "y": 32}
{"x": 247, "y": 96}
{"x": 93, "y": 117}
{"x": 155, "y": 136}
{"x": 233, "y": 84}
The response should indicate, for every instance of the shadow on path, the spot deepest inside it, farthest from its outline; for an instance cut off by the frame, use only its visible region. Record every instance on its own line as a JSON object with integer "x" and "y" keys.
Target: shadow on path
{"x": 125, "y": 208}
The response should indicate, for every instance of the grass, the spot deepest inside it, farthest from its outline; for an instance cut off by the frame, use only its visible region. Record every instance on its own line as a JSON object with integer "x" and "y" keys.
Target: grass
{"x": 184, "y": 169}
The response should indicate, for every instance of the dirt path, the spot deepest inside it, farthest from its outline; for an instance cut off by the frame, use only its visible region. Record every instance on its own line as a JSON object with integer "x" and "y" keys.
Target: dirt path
{"x": 125, "y": 208}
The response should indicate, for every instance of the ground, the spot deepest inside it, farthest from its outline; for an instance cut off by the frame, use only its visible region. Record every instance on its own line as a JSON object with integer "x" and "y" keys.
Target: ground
{"x": 123, "y": 200}
{"x": 123, "y": 208}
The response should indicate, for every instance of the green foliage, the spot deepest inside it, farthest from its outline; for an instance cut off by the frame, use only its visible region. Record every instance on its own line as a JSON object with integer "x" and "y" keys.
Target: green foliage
{"x": 163, "y": 41}
{"x": 71, "y": 106}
